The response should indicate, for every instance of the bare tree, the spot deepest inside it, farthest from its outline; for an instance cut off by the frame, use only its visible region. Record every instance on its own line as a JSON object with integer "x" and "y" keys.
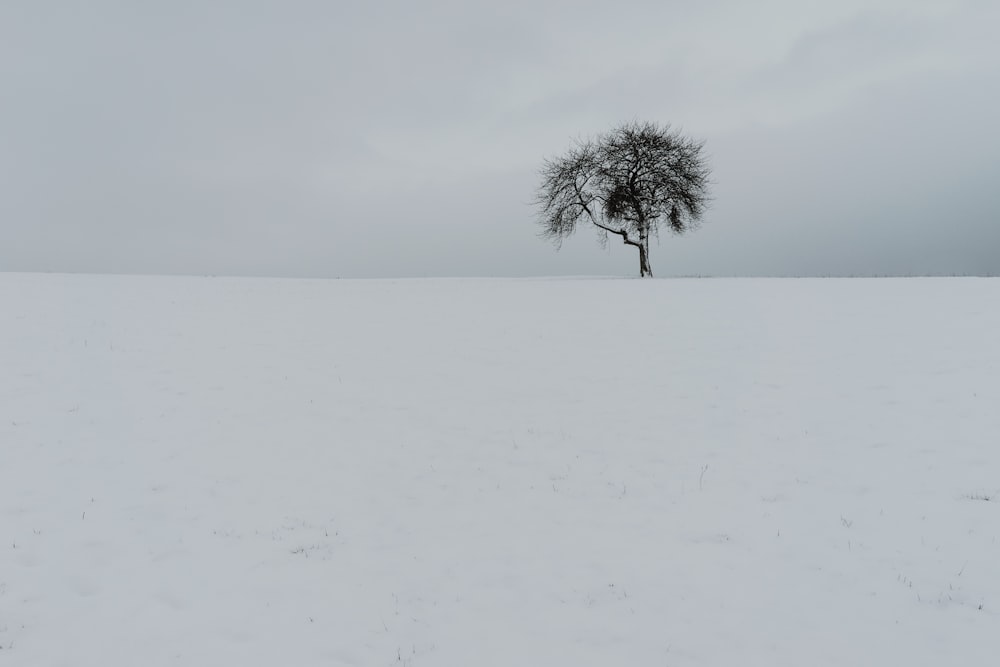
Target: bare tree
{"x": 630, "y": 182}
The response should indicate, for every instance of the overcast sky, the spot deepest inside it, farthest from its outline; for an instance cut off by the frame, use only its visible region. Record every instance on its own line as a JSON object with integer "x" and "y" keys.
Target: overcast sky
{"x": 403, "y": 138}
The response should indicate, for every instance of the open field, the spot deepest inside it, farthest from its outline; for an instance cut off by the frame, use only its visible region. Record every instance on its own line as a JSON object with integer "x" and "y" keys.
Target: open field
{"x": 208, "y": 471}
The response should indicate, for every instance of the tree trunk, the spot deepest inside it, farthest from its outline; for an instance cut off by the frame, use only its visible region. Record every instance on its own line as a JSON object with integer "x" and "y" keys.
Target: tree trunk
{"x": 644, "y": 270}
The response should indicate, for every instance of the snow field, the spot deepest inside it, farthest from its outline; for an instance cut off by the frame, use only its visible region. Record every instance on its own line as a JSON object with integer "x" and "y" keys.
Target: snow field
{"x": 207, "y": 471}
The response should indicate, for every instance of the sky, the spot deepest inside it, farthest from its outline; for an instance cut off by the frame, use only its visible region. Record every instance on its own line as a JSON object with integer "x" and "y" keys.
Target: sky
{"x": 310, "y": 138}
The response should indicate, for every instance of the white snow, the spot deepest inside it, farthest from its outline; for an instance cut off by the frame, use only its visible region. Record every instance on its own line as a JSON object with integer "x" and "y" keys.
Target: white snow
{"x": 208, "y": 471}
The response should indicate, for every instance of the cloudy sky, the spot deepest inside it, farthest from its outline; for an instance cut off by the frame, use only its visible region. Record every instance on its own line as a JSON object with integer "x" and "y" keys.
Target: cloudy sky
{"x": 403, "y": 138}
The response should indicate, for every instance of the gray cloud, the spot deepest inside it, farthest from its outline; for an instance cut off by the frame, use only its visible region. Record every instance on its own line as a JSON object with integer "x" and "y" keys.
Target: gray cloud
{"x": 366, "y": 139}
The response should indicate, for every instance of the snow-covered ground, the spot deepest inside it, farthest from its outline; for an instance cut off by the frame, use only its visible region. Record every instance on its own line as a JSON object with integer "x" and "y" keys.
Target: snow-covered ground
{"x": 201, "y": 471}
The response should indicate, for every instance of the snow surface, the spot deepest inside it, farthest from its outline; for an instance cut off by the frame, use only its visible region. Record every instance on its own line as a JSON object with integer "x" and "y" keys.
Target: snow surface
{"x": 207, "y": 471}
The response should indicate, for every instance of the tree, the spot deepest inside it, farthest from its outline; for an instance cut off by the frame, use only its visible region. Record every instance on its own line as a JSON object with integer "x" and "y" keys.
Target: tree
{"x": 630, "y": 182}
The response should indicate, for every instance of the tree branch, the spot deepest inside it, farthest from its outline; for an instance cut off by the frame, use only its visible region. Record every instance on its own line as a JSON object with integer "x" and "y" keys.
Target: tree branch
{"x": 620, "y": 232}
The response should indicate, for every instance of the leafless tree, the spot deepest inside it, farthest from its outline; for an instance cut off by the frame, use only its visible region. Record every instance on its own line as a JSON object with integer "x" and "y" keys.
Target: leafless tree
{"x": 629, "y": 182}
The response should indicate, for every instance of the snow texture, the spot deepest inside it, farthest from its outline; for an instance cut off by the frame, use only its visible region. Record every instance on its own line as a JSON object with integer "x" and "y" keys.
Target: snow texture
{"x": 208, "y": 471}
